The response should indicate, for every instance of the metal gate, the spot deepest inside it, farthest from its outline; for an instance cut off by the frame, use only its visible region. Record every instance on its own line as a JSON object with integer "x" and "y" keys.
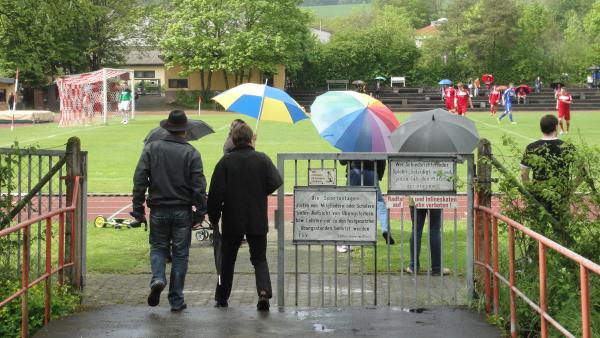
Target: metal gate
{"x": 34, "y": 181}
{"x": 315, "y": 274}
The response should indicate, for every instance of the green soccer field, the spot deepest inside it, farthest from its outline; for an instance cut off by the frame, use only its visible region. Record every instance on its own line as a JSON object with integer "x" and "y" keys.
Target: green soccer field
{"x": 114, "y": 149}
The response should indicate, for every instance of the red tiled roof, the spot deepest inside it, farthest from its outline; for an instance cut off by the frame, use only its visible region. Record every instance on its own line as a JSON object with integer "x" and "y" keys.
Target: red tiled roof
{"x": 427, "y": 30}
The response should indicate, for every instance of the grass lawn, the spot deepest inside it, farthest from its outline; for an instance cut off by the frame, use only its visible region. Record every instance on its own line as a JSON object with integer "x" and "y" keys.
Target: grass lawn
{"x": 117, "y": 251}
{"x": 114, "y": 149}
{"x": 332, "y": 11}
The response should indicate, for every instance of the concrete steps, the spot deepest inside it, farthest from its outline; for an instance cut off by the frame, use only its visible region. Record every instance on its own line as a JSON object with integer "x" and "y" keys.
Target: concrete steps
{"x": 421, "y": 99}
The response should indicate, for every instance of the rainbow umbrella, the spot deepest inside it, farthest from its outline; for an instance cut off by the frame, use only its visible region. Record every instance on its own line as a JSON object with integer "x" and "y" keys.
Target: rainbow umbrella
{"x": 261, "y": 102}
{"x": 353, "y": 122}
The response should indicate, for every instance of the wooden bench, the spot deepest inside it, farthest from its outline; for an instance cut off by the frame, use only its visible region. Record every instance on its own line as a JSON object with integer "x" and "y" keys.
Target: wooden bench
{"x": 398, "y": 79}
{"x": 337, "y": 82}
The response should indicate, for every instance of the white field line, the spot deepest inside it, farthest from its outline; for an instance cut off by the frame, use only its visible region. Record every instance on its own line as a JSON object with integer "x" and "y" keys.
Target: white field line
{"x": 120, "y": 210}
{"x": 24, "y": 142}
{"x": 497, "y": 126}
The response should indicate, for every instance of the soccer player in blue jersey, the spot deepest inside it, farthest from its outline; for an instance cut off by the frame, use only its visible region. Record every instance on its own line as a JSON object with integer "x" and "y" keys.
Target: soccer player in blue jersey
{"x": 507, "y": 98}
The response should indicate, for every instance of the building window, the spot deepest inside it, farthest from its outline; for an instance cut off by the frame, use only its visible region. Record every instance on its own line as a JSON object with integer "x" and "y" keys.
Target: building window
{"x": 3, "y": 95}
{"x": 144, "y": 74}
{"x": 178, "y": 83}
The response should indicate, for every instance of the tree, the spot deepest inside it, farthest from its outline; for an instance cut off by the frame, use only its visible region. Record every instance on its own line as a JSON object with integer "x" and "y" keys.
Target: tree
{"x": 420, "y": 12}
{"x": 41, "y": 38}
{"x": 110, "y": 27}
{"x": 385, "y": 46}
{"x": 49, "y": 38}
{"x": 234, "y": 36}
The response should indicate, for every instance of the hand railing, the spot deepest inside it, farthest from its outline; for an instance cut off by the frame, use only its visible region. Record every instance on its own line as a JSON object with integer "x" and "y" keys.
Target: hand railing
{"x": 26, "y": 284}
{"x": 492, "y": 276}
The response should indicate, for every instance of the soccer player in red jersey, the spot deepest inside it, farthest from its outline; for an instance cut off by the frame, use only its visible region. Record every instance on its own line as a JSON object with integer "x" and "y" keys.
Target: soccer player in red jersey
{"x": 449, "y": 94}
{"x": 563, "y": 104}
{"x": 493, "y": 99}
{"x": 462, "y": 99}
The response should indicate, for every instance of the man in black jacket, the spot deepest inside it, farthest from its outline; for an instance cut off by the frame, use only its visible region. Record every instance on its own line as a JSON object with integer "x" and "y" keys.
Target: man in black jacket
{"x": 239, "y": 187}
{"x": 171, "y": 170}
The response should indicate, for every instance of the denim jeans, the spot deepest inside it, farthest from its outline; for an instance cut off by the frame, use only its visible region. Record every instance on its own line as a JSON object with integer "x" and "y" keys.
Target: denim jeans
{"x": 368, "y": 177}
{"x": 435, "y": 237}
{"x": 170, "y": 228}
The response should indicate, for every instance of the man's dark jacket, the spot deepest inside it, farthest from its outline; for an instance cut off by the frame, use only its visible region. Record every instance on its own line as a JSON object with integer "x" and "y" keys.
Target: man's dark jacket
{"x": 171, "y": 170}
{"x": 239, "y": 187}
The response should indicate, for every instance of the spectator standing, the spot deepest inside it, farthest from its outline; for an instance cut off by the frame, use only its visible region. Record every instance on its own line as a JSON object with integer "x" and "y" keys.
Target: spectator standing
{"x": 538, "y": 84}
{"x": 170, "y": 169}
{"x": 470, "y": 86}
{"x": 450, "y": 96}
{"x": 462, "y": 99}
{"x": 370, "y": 173}
{"x": 507, "y": 98}
{"x": 228, "y": 146}
{"x": 590, "y": 81}
{"x": 548, "y": 161}
{"x": 476, "y": 86}
{"x": 563, "y": 105}
{"x": 239, "y": 187}
{"x": 493, "y": 99}
{"x": 435, "y": 239}
{"x": 377, "y": 89}
{"x": 11, "y": 101}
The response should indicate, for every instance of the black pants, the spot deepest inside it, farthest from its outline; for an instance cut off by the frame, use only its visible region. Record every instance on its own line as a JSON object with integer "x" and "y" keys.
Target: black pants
{"x": 258, "y": 257}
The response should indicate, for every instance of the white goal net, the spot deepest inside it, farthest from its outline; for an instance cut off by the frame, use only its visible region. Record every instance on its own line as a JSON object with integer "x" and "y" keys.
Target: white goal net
{"x": 83, "y": 97}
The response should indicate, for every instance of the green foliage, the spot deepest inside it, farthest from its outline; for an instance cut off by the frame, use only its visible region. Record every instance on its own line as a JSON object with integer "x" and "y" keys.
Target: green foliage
{"x": 49, "y": 38}
{"x": 233, "y": 36}
{"x": 567, "y": 215}
{"x": 383, "y": 47}
{"x": 189, "y": 98}
{"x": 64, "y": 302}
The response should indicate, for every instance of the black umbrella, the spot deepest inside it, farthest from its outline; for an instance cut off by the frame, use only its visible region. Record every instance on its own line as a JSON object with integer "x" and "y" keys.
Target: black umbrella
{"x": 435, "y": 131}
{"x": 196, "y": 130}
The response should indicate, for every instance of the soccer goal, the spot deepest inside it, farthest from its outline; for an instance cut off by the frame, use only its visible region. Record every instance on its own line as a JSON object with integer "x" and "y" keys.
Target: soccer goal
{"x": 88, "y": 95}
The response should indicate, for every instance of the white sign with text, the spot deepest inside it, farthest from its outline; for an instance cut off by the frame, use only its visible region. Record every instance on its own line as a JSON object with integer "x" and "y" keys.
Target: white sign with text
{"x": 422, "y": 175}
{"x": 395, "y": 201}
{"x": 322, "y": 177}
{"x": 435, "y": 202}
{"x": 341, "y": 214}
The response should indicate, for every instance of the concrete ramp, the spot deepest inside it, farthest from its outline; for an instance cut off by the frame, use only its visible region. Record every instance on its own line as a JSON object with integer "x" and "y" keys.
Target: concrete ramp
{"x": 143, "y": 321}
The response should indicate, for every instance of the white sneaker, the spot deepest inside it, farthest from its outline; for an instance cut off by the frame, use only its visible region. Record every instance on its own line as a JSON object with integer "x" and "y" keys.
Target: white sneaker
{"x": 342, "y": 248}
{"x": 125, "y": 122}
{"x": 561, "y": 132}
{"x": 513, "y": 122}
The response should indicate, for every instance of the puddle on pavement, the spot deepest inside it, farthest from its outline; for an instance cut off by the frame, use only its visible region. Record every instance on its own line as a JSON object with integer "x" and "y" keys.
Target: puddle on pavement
{"x": 322, "y": 328}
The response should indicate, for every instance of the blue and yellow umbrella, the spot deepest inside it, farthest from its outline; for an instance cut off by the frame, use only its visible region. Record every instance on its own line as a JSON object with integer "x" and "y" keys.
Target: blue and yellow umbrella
{"x": 261, "y": 102}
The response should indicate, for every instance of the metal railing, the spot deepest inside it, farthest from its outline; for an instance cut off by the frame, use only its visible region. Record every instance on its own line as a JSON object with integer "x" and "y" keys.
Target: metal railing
{"x": 317, "y": 275}
{"x": 492, "y": 276}
{"x": 24, "y": 229}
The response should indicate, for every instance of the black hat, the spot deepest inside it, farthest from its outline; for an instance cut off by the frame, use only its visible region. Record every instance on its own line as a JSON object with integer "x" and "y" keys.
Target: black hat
{"x": 177, "y": 121}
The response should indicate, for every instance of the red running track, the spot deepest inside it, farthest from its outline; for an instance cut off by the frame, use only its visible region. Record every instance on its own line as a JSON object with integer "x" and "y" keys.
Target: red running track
{"x": 120, "y": 206}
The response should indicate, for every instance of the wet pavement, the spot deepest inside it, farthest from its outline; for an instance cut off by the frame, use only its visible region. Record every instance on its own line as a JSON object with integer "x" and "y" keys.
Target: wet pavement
{"x": 143, "y": 321}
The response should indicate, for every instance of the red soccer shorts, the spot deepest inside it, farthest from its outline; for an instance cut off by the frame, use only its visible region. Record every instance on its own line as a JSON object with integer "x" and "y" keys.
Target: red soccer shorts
{"x": 564, "y": 114}
{"x": 461, "y": 110}
{"x": 449, "y": 105}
